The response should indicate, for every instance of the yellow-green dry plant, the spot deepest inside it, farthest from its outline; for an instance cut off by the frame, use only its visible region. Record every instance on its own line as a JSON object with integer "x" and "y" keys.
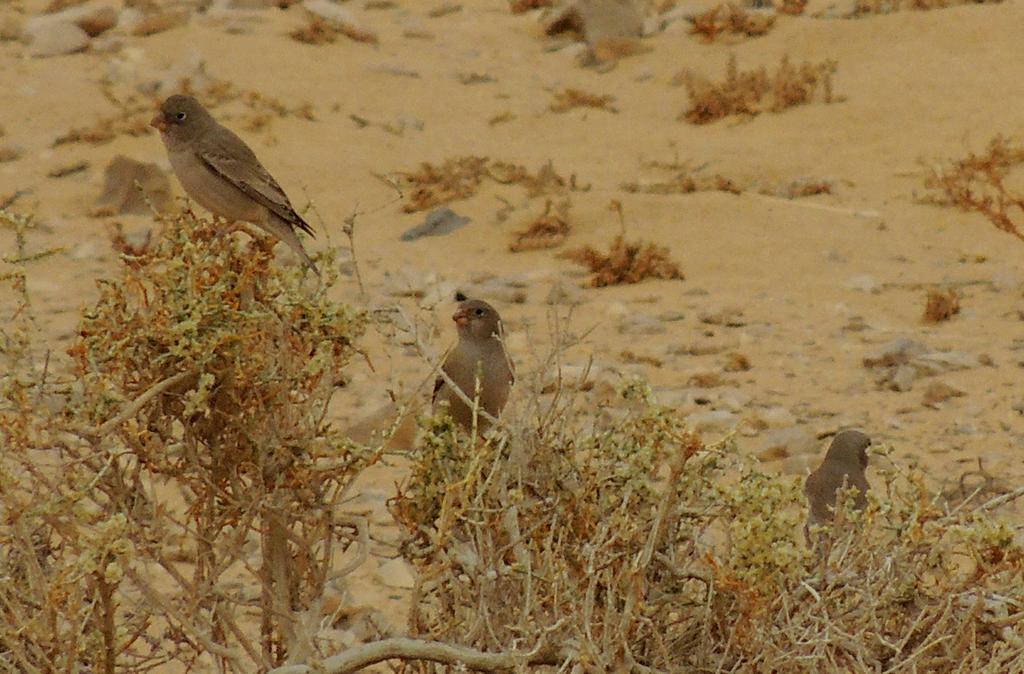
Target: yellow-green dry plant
{"x": 192, "y": 509}
{"x": 621, "y": 542}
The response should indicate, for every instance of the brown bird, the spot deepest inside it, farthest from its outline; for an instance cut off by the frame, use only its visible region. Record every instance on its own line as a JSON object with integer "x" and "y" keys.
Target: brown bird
{"x": 845, "y": 462}
{"x": 221, "y": 173}
{"x": 479, "y": 356}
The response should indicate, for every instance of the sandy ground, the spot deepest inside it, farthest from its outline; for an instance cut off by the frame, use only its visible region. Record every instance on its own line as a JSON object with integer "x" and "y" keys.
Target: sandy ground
{"x": 813, "y": 285}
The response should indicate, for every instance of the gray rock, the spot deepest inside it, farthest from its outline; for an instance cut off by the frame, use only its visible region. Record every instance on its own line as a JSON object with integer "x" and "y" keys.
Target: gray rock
{"x": 439, "y": 221}
{"x": 640, "y": 324}
{"x": 396, "y": 573}
{"x": 780, "y": 443}
{"x": 716, "y": 421}
{"x": 93, "y": 19}
{"x": 56, "y": 39}
{"x": 128, "y": 184}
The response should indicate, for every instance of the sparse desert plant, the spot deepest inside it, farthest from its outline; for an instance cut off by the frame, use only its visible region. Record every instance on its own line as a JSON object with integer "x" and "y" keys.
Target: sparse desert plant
{"x": 520, "y": 6}
{"x": 461, "y": 177}
{"x": 732, "y": 20}
{"x": 752, "y": 92}
{"x": 941, "y": 305}
{"x": 172, "y": 493}
{"x": 630, "y": 544}
{"x": 978, "y": 183}
{"x": 548, "y": 230}
{"x": 569, "y": 98}
{"x": 625, "y": 262}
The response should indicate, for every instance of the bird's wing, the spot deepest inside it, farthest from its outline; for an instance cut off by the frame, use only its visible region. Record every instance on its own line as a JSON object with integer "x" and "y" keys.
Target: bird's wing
{"x": 228, "y": 156}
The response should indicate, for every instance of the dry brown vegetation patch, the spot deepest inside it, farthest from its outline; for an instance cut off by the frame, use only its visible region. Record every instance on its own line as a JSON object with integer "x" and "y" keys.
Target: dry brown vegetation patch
{"x": 569, "y": 99}
{"x": 460, "y": 178}
{"x": 731, "y": 20}
{"x": 548, "y": 230}
{"x": 941, "y": 305}
{"x": 625, "y": 262}
{"x": 751, "y": 92}
{"x": 520, "y": 6}
{"x": 979, "y": 183}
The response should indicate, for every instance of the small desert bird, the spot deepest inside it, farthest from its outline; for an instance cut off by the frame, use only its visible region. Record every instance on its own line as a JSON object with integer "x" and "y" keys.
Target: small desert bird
{"x": 219, "y": 171}
{"x": 845, "y": 461}
{"x": 479, "y": 356}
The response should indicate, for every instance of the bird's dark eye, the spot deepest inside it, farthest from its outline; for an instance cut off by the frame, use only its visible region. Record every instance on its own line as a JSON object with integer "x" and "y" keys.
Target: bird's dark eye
{"x": 479, "y": 312}
{"x": 181, "y": 116}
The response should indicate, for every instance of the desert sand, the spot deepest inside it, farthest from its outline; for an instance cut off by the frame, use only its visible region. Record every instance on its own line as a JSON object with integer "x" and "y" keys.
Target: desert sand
{"x": 805, "y": 289}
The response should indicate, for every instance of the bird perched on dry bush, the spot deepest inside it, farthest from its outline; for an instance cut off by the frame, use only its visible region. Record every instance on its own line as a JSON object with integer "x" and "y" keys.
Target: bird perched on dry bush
{"x": 478, "y": 365}
{"x": 218, "y": 170}
{"x": 843, "y": 467}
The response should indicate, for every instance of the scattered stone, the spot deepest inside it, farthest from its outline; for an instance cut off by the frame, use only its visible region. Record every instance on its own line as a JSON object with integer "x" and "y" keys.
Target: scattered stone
{"x": 897, "y": 352}
{"x": 340, "y": 18}
{"x": 97, "y": 20}
{"x": 444, "y": 9}
{"x": 158, "y": 21}
{"x": 564, "y": 293}
{"x": 705, "y": 347}
{"x": 396, "y": 573}
{"x": 10, "y": 29}
{"x": 865, "y": 283}
{"x": 785, "y": 442}
{"x": 733, "y": 399}
{"x": 503, "y": 290}
{"x": 777, "y": 417}
{"x": 56, "y": 39}
{"x": 730, "y": 317}
{"x": 69, "y": 169}
{"x": 11, "y": 153}
{"x": 640, "y": 324}
{"x": 611, "y": 28}
{"x": 902, "y": 361}
{"x": 439, "y": 221}
{"x": 129, "y": 184}
{"x": 939, "y": 392}
{"x": 715, "y": 421}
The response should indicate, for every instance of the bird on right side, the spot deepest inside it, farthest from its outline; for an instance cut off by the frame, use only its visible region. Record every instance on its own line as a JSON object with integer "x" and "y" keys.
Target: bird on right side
{"x": 478, "y": 365}
{"x": 845, "y": 463}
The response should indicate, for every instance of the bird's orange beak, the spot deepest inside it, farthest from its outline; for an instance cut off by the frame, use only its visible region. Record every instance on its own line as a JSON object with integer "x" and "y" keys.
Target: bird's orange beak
{"x": 461, "y": 317}
{"x": 158, "y": 122}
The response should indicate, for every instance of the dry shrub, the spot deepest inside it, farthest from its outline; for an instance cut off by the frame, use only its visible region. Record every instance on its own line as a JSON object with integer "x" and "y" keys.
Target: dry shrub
{"x": 568, "y": 99}
{"x": 520, "y": 6}
{"x": 685, "y": 181}
{"x": 752, "y": 92}
{"x": 461, "y": 177}
{"x": 791, "y": 7}
{"x": 171, "y": 493}
{"x": 548, "y": 230}
{"x": 625, "y": 262}
{"x": 941, "y": 305}
{"x": 730, "y": 19}
{"x": 316, "y": 31}
{"x": 978, "y": 183}
{"x": 632, "y": 546}
{"x": 135, "y": 111}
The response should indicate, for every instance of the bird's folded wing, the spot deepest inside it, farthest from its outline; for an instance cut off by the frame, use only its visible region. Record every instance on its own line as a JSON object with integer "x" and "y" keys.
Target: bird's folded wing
{"x": 244, "y": 171}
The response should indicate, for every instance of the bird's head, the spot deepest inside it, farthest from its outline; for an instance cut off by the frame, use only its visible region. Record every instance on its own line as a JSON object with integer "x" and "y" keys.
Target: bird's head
{"x": 477, "y": 319}
{"x": 181, "y": 118}
{"x": 849, "y": 448}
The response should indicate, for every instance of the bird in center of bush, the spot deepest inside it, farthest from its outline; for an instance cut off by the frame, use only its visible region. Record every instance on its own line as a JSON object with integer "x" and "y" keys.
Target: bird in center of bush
{"x": 478, "y": 362}
{"x": 222, "y": 174}
{"x": 844, "y": 464}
